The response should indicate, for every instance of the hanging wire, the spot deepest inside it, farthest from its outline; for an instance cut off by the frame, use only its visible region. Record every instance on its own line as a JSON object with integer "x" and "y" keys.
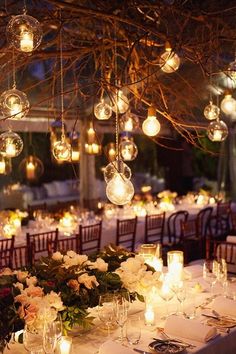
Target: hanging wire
{"x": 24, "y": 8}
{"x": 62, "y": 86}
{"x": 117, "y": 96}
{"x": 13, "y": 69}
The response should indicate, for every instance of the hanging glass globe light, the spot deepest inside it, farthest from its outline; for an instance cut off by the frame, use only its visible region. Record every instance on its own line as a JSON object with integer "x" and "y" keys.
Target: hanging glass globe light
{"x": 211, "y": 111}
{"x": 24, "y": 33}
{"x": 129, "y": 122}
{"x": 121, "y": 102}
{"x": 217, "y": 131}
{"x": 61, "y": 150}
{"x": 128, "y": 149}
{"x": 228, "y": 104}
{"x": 31, "y": 167}
{"x": 102, "y": 110}
{"x": 14, "y": 104}
{"x": 111, "y": 151}
{"x": 114, "y": 167}
{"x": 151, "y": 125}
{"x": 119, "y": 190}
{"x": 11, "y": 144}
{"x": 169, "y": 60}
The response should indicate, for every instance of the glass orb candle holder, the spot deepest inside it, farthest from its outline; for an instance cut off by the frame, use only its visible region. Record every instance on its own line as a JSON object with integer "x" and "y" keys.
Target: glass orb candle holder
{"x": 11, "y": 144}
{"x": 211, "y": 111}
{"x": 24, "y": 33}
{"x": 121, "y": 102}
{"x": 14, "y": 104}
{"x": 151, "y": 125}
{"x": 32, "y": 168}
{"x": 119, "y": 190}
{"x": 128, "y": 149}
{"x": 217, "y": 131}
{"x": 61, "y": 150}
{"x": 228, "y": 104}
{"x": 129, "y": 122}
{"x": 169, "y": 60}
{"x": 102, "y": 110}
{"x": 115, "y": 167}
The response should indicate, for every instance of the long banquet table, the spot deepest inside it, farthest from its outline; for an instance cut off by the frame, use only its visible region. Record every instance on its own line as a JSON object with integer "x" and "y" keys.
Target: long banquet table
{"x": 89, "y": 342}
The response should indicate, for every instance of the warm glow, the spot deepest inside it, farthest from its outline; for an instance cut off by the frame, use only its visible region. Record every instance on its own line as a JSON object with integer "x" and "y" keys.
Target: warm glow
{"x": 75, "y": 155}
{"x": 151, "y": 125}
{"x": 102, "y": 110}
{"x": 175, "y": 260}
{"x": 92, "y": 149}
{"x": 211, "y": 111}
{"x": 61, "y": 150}
{"x": 10, "y": 148}
{"x": 15, "y": 107}
{"x": 149, "y": 316}
{"x": 2, "y": 167}
{"x": 65, "y": 345}
{"x": 228, "y": 104}
{"x": 30, "y": 170}
{"x": 121, "y": 102}
{"x": 170, "y": 61}
{"x": 119, "y": 190}
{"x": 26, "y": 41}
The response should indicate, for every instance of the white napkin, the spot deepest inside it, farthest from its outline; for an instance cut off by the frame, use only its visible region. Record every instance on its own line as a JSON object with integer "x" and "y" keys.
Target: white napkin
{"x": 190, "y": 329}
{"x": 225, "y": 307}
{"x": 231, "y": 238}
{"x": 193, "y": 271}
{"x": 111, "y": 347}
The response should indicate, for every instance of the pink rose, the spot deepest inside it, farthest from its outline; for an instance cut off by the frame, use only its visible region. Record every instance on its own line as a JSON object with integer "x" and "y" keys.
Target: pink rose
{"x": 22, "y": 298}
{"x": 74, "y": 284}
{"x": 34, "y": 291}
{"x": 21, "y": 311}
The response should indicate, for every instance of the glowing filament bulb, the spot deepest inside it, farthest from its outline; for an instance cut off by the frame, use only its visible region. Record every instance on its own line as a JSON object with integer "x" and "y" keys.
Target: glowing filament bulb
{"x": 151, "y": 125}
{"x": 119, "y": 190}
{"x": 170, "y": 61}
{"x": 26, "y": 41}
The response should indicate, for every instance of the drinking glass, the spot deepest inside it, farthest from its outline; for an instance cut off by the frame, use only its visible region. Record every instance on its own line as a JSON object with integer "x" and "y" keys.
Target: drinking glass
{"x": 50, "y": 336}
{"x": 33, "y": 340}
{"x": 166, "y": 294}
{"x": 181, "y": 297}
{"x": 106, "y": 311}
{"x": 133, "y": 329}
{"x": 121, "y": 312}
{"x": 210, "y": 273}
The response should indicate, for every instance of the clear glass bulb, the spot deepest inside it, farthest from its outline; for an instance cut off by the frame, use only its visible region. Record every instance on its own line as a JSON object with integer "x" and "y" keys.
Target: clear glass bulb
{"x": 102, "y": 110}
{"x": 129, "y": 122}
{"x": 169, "y": 61}
{"x": 119, "y": 190}
{"x": 151, "y": 126}
{"x": 61, "y": 150}
{"x": 217, "y": 131}
{"x": 14, "y": 104}
{"x": 128, "y": 149}
{"x": 11, "y": 144}
{"x": 112, "y": 169}
{"x": 228, "y": 104}
{"x": 121, "y": 102}
{"x": 211, "y": 111}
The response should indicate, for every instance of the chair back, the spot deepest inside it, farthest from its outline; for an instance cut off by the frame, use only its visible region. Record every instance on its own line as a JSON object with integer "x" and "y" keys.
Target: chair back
{"x": 126, "y": 233}
{"x": 68, "y": 244}
{"x": 154, "y": 228}
{"x": 90, "y": 238}
{"x": 6, "y": 252}
{"x": 41, "y": 244}
{"x": 34, "y": 208}
{"x": 189, "y": 229}
{"x": 174, "y": 227}
{"x": 227, "y": 251}
{"x": 203, "y": 220}
{"x": 20, "y": 257}
{"x": 233, "y": 222}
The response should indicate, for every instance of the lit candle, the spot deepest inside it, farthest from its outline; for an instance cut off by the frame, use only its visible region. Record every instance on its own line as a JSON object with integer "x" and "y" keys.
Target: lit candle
{"x": 65, "y": 345}
{"x": 126, "y": 153}
{"x": 95, "y": 148}
{"x": 175, "y": 261}
{"x": 10, "y": 149}
{"x": 128, "y": 126}
{"x": 30, "y": 170}
{"x": 112, "y": 153}
{"x": 217, "y": 135}
{"x": 149, "y": 316}
{"x": 157, "y": 264}
{"x": 2, "y": 167}
{"x": 26, "y": 41}
{"x": 75, "y": 155}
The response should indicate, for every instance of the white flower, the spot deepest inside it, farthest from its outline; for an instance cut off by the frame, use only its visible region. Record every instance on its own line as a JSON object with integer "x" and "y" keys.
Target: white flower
{"x": 20, "y": 286}
{"x": 57, "y": 256}
{"x": 31, "y": 281}
{"x": 54, "y": 300}
{"x": 71, "y": 254}
{"x": 100, "y": 265}
{"x": 21, "y": 276}
{"x": 133, "y": 264}
{"x": 88, "y": 281}
{"x": 73, "y": 259}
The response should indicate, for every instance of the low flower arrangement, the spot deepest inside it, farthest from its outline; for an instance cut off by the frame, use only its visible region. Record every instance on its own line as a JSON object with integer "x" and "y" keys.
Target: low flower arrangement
{"x": 70, "y": 284}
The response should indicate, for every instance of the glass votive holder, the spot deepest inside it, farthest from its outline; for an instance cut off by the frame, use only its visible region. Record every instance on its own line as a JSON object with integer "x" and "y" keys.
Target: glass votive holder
{"x": 175, "y": 262}
{"x": 64, "y": 345}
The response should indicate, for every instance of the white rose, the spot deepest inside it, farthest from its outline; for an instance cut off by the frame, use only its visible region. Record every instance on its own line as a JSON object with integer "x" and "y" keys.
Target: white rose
{"x": 71, "y": 254}
{"x": 20, "y": 286}
{"x": 54, "y": 300}
{"x": 100, "y": 264}
{"x": 133, "y": 264}
{"x": 69, "y": 262}
{"x": 88, "y": 281}
{"x": 31, "y": 281}
{"x": 81, "y": 258}
{"x": 21, "y": 276}
{"x": 57, "y": 256}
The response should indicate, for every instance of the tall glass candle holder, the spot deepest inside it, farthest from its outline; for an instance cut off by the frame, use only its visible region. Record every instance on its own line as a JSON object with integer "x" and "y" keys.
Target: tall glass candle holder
{"x": 175, "y": 262}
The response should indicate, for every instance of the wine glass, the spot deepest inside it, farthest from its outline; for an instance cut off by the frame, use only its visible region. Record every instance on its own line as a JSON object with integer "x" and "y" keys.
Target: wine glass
{"x": 210, "y": 273}
{"x": 33, "y": 340}
{"x": 106, "y": 311}
{"x": 181, "y": 297}
{"x": 121, "y": 313}
{"x": 133, "y": 329}
{"x": 166, "y": 294}
{"x": 50, "y": 336}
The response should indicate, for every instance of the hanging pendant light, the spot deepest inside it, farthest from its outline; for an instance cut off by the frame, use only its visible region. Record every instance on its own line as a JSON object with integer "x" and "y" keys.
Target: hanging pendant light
{"x": 129, "y": 122}
{"x": 211, "y": 111}
{"x": 217, "y": 131}
{"x": 11, "y": 144}
{"x": 128, "y": 149}
{"x": 113, "y": 167}
{"x": 32, "y": 168}
{"x": 121, "y": 102}
{"x": 228, "y": 104}
{"x": 119, "y": 190}
{"x": 102, "y": 110}
{"x": 169, "y": 60}
{"x": 24, "y": 33}
{"x": 14, "y": 104}
{"x": 92, "y": 146}
{"x": 151, "y": 125}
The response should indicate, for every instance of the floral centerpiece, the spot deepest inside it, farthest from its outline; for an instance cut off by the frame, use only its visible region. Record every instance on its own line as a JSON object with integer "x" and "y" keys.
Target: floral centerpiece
{"x": 167, "y": 200}
{"x": 10, "y": 222}
{"x": 70, "y": 284}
